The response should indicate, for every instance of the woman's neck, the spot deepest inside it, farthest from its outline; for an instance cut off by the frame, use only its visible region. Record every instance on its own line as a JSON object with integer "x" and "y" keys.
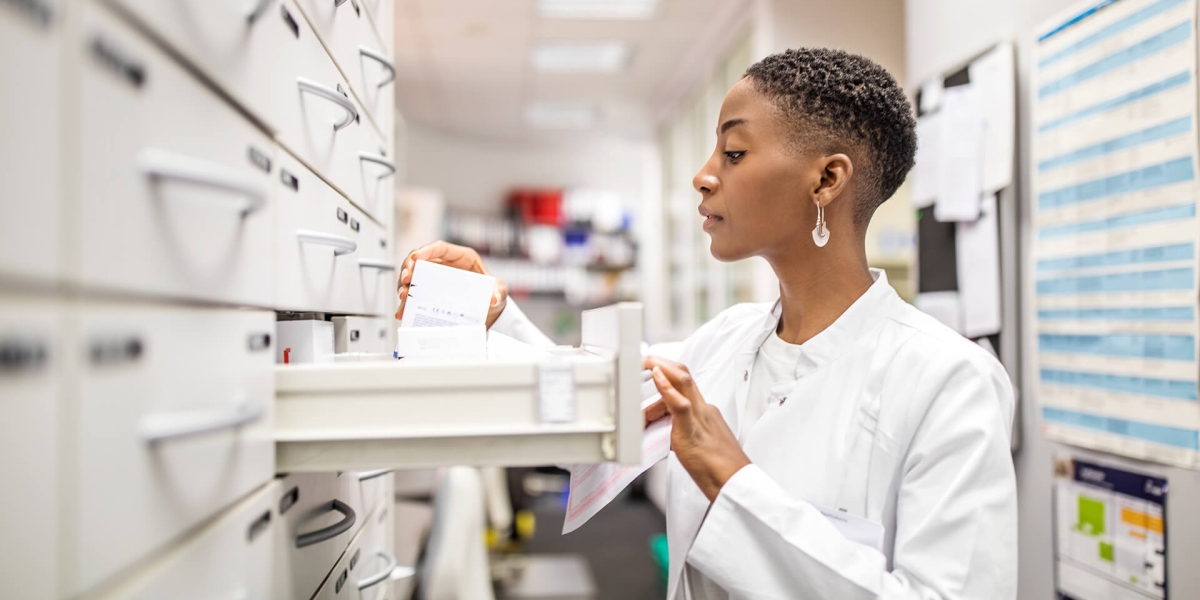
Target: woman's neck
{"x": 813, "y": 294}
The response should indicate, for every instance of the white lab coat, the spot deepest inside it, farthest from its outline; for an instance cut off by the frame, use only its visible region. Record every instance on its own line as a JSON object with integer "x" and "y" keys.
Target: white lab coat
{"x": 894, "y": 418}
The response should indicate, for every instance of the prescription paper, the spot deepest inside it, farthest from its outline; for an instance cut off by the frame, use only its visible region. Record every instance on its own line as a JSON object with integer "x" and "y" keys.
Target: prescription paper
{"x": 441, "y": 296}
{"x": 594, "y": 486}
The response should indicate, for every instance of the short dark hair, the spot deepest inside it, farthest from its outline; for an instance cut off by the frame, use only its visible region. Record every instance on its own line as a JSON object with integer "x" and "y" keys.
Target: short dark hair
{"x": 842, "y": 102}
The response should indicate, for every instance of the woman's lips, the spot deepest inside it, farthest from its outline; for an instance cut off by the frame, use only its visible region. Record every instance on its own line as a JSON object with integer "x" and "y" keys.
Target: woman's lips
{"x": 710, "y": 220}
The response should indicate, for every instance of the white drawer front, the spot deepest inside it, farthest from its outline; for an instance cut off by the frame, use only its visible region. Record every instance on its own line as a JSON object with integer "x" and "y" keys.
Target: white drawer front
{"x": 175, "y": 421}
{"x": 30, "y": 237}
{"x": 240, "y": 44}
{"x": 229, "y": 558}
{"x": 31, "y": 373}
{"x": 175, "y": 184}
{"x": 383, "y": 18}
{"x": 313, "y": 533}
{"x": 361, "y": 334}
{"x": 351, "y": 39}
{"x": 330, "y": 257}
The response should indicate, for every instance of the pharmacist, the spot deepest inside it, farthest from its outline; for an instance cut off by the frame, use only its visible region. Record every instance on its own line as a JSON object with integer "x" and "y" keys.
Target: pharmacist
{"x": 836, "y": 443}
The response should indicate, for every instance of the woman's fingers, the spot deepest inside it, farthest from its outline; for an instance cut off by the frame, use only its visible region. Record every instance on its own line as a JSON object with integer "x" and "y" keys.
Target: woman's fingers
{"x": 676, "y": 403}
{"x": 655, "y": 412}
{"x": 678, "y": 376}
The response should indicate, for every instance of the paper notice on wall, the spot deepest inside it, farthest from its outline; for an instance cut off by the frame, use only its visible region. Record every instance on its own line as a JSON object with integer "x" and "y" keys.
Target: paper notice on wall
{"x": 594, "y": 486}
{"x": 1110, "y": 538}
{"x": 926, "y": 169}
{"x": 943, "y": 306}
{"x": 978, "y": 261}
{"x": 994, "y": 75}
{"x": 960, "y": 174}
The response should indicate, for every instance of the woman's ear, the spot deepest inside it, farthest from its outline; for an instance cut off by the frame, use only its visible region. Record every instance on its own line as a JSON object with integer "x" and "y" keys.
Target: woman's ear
{"x": 836, "y": 171}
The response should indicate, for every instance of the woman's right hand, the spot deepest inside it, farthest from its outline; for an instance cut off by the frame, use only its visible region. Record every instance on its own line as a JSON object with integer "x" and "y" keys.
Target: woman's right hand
{"x": 459, "y": 257}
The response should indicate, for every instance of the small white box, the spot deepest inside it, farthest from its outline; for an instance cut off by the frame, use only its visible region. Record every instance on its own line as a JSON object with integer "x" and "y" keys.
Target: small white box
{"x": 457, "y": 343}
{"x": 360, "y": 334}
{"x": 303, "y": 342}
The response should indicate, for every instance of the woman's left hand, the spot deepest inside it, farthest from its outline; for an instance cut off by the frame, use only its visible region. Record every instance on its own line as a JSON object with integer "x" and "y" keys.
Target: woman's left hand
{"x": 700, "y": 437}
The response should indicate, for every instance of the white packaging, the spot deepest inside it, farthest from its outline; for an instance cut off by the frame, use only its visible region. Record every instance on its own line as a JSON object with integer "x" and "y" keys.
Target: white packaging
{"x": 360, "y": 334}
{"x": 303, "y": 342}
{"x": 458, "y": 343}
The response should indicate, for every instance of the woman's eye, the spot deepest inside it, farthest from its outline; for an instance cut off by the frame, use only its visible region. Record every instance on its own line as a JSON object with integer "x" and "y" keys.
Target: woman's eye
{"x": 734, "y": 155}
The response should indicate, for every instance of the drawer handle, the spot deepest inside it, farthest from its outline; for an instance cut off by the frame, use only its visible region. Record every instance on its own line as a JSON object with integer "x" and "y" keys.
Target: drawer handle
{"x": 381, "y": 59}
{"x": 382, "y": 265}
{"x": 161, "y": 164}
{"x": 379, "y": 577}
{"x": 316, "y": 89}
{"x": 365, "y": 475}
{"x": 328, "y": 533}
{"x": 341, "y": 245}
{"x": 159, "y": 427}
{"x": 379, "y": 160}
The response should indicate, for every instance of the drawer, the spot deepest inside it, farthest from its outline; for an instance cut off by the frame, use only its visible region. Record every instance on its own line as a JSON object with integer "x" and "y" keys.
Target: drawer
{"x": 32, "y": 370}
{"x": 385, "y": 413}
{"x": 174, "y": 184}
{"x": 330, "y": 257}
{"x": 367, "y": 488}
{"x": 30, "y": 38}
{"x": 362, "y": 334}
{"x": 317, "y": 523}
{"x": 364, "y": 571}
{"x": 174, "y": 423}
{"x": 352, "y": 41}
{"x": 229, "y": 558}
{"x": 383, "y": 18}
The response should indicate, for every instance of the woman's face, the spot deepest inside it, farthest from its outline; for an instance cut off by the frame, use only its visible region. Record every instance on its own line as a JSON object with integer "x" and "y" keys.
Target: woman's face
{"x": 756, "y": 192}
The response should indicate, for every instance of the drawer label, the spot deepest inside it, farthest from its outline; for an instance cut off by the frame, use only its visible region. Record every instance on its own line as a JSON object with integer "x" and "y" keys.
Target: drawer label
{"x": 21, "y": 355}
{"x": 289, "y": 180}
{"x": 343, "y": 216}
{"x": 128, "y": 68}
{"x": 556, "y": 391}
{"x": 258, "y": 526}
{"x": 113, "y": 351}
{"x": 290, "y": 22}
{"x": 259, "y": 159}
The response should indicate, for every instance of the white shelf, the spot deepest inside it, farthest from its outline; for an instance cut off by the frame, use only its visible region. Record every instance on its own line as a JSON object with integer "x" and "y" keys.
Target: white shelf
{"x": 389, "y": 414}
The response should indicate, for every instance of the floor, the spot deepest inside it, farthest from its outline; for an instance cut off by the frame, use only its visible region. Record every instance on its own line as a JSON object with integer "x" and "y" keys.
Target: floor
{"x": 616, "y": 543}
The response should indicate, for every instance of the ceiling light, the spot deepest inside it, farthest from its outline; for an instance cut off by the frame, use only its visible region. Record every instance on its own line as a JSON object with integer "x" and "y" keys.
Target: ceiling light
{"x": 559, "y": 115}
{"x": 598, "y": 9}
{"x": 580, "y": 57}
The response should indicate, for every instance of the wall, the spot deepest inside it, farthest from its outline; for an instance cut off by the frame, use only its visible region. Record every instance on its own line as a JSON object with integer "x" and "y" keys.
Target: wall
{"x": 476, "y": 173}
{"x": 942, "y": 34}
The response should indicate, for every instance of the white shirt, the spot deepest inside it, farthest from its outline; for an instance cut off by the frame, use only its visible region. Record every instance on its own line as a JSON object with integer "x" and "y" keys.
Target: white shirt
{"x": 891, "y": 417}
{"x": 771, "y": 378}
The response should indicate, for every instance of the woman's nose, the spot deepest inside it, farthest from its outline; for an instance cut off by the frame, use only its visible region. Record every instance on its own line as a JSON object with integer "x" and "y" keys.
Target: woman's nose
{"x": 705, "y": 182}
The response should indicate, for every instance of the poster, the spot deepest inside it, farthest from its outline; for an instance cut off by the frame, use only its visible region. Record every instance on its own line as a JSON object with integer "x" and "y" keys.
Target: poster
{"x": 1110, "y": 539}
{"x": 1114, "y": 248}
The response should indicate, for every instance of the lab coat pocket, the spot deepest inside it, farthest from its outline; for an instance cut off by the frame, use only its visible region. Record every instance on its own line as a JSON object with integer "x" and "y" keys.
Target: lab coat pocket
{"x": 856, "y": 529}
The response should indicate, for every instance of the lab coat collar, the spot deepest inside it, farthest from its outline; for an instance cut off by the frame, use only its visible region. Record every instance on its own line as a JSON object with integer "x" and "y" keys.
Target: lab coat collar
{"x": 863, "y": 315}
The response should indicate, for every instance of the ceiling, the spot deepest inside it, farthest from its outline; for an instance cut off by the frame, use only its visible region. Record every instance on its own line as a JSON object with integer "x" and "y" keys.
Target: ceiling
{"x": 464, "y": 65}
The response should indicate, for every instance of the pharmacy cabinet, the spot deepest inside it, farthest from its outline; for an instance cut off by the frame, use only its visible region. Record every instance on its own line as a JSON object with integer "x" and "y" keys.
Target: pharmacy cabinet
{"x": 265, "y": 56}
{"x": 329, "y": 256}
{"x": 173, "y": 423}
{"x": 346, "y": 31}
{"x": 364, "y": 570}
{"x": 318, "y": 518}
{"x": 30, "y": 184}
{"x": 174, "y": 194}
{"x": 229, "y": 557}
{"x": 517, "y": 408}
{"x": 33, "y": 367}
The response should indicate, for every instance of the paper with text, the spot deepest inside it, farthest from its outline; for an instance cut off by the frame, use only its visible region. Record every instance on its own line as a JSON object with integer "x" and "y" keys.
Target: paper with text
{"x": 594, "y": 486}
{"x": 441, "y": 296}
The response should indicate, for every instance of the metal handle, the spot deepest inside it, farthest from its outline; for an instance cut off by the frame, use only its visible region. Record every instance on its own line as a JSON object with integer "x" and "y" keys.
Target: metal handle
{"x": 379, "y": 577}
{"x": 341, "y": 245}
{"x": 365, "y": 475}
{"x": 328, "y": 533}
{"x": 382, "y": 265}
{"x": 381, "y": 59}
{"x": 379, "y": 160}
{"x": 159, "y": 427}
{"x": 312, "y": 87}
{"x": 161, "y": 164}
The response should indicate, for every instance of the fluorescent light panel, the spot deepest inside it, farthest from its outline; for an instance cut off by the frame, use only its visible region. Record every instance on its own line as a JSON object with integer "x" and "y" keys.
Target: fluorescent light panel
{"x": 560, "y": 115}
{"x": 580, "y": 57}
{"x": 598, "y": 9}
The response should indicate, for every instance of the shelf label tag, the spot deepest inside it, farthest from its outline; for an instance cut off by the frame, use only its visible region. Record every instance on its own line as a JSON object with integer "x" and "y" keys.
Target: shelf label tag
{"x": 556, "y": 391}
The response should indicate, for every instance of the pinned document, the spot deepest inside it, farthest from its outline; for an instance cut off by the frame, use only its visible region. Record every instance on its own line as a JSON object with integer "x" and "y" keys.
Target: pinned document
{"x": 994, "y": 74}
{"x": 978, "y": 263}
{"x": 961, "y": 171}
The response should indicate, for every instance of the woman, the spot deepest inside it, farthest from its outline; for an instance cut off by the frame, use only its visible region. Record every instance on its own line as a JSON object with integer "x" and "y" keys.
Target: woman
{"x": 837, "y": 443}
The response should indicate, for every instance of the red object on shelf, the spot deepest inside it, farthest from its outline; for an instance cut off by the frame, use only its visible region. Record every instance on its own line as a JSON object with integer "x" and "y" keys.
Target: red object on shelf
{"x": 537, "y": 206}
